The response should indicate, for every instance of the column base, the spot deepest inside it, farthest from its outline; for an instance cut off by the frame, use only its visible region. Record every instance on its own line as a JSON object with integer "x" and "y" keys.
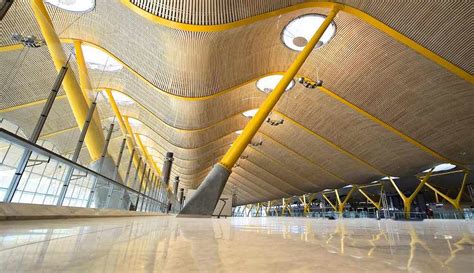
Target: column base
{"x": 204, "y": 200}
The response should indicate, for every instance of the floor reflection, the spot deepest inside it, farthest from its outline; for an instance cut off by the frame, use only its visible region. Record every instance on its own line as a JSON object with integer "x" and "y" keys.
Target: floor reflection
{"x": 168, "y": 244}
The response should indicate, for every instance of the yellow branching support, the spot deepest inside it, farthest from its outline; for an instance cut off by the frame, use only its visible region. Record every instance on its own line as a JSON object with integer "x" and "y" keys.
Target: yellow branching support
{"x": 408, "y": 200}
{"x": 329, "y": 201}
{"x": 456, "y": 202}
{"x": 378, "y": 204}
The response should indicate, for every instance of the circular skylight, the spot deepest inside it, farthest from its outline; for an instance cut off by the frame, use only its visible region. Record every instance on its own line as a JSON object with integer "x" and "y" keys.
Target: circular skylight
{"x": 98, "y": 59}
{"x": 250, "y": 113}
{"x": 73, "y": 5}
{"x": 121, "y": 98}
{"x": 299, "y": 31}
{"x": 268, "y": 83}
{"x": 441, "y": 167}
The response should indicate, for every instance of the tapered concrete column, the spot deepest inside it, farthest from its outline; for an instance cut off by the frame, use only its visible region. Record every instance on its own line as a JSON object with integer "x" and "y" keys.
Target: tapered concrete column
{"x": 167, "y": 167}
{"x": 211, "y": 188}
{"x": 176, "y": 185}
{"x": 204, "y": 200}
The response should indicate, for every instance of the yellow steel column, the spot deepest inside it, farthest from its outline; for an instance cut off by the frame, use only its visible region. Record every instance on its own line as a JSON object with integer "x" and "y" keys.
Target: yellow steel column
{"x": 341, "y": 205}
{"x": 377, "y": 205}
{"x": 329, "y": 201}
{"x": 94, "y": 139}
{"x": 408, "y": 200}
{"x": 233, "y": 154}
{"x": 84, "y": 80}
{"x": 120, "y": 119}
{"x": 83, "y": 73}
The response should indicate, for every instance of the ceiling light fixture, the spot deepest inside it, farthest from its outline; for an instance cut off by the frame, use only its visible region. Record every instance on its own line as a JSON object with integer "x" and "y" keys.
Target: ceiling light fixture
{"x": 98, "y": 59}
{"x": 73, "y": 5}
{"x": 300, "y": 30}
{"x": 268, "y": 83}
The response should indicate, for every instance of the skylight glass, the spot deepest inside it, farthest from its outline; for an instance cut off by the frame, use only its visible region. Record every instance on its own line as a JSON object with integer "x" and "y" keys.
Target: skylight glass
{"x": 135, "y": 122}
{"x": 268, "y": 83}
{"x": 250, "y": 113}
{"x": 299, "y": 31}
{"x": 98, "y": 59}
{"x": 386, "y": 178}
{"x": 441, "y": 167}
{"x": 121, "y": 98}
{"x": 73, "y": 5}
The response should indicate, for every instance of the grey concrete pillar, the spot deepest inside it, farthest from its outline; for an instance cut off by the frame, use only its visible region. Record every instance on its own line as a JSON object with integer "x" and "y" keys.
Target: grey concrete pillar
{"x": 203, "y": 202}
{"x": 176, "y": 185}
{"x": 167, "y": 167}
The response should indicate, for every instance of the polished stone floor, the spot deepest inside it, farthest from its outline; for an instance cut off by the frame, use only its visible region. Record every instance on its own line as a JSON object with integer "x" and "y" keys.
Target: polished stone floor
{"x": 278, "y": 244}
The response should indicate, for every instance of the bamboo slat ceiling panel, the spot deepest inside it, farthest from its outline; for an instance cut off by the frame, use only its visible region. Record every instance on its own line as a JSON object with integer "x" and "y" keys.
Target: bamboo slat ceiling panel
{"x": 414, "y": 18}
{"x": 323, "y": 142}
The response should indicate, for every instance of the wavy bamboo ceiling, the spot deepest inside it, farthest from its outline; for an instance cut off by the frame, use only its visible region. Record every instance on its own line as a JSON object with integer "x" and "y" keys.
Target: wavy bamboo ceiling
{"x": 385, "y": 108}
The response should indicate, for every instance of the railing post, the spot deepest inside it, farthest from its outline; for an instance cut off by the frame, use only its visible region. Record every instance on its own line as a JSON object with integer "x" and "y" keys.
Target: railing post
{"x": 141, "y": 184}
{"x": 77, "y": 151}
{"x": 36, "y": 133}
{"x": 147, "y": 186}
{"x": 101, "y": 163}
{"x": 119, "y": 159}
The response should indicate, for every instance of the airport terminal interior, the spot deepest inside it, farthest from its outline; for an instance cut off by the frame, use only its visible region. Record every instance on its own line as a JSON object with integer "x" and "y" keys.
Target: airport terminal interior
{"x": 236, "y": 136}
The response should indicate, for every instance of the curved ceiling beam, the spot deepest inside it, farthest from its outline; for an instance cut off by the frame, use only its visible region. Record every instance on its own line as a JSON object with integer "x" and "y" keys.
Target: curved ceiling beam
{"x": 345, "y": 8}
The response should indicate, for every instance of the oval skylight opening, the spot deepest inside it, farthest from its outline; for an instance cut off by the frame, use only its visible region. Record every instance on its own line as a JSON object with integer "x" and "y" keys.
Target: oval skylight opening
{"x": 441, "y": 168}
{"x": 386, "y": 178}
{"x": 121, "y": 98}
{"x": 100, "y": 60}
{"x": 268, "y": 83}
{"x": 250, "y": 113}
{"x": 299, "y": 31}
{"x": 73, "y": 5}
{"x": 135, "y": 122}
{"x": 239, "y": 132}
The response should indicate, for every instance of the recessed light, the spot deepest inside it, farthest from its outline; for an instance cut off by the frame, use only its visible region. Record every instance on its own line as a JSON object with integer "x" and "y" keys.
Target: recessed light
{"x": 268, "y": 83}
{"x": 73, "y": 5}
{"x": 300, "y": 30}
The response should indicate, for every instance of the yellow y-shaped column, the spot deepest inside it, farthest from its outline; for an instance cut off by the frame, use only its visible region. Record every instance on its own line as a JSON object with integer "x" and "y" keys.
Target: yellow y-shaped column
{"x": 204, "y": 200}
{"x": 341, "y": 205}
{"x": 94, "y": 139}
{"x": 408, "y": 200}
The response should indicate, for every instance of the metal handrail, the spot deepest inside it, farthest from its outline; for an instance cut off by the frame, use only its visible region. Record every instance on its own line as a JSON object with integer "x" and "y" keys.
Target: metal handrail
{"x": 15, "y": 139}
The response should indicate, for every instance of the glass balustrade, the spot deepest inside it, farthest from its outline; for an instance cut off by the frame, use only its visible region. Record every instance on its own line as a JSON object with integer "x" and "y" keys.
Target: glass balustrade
{"x": 46, "y": 173}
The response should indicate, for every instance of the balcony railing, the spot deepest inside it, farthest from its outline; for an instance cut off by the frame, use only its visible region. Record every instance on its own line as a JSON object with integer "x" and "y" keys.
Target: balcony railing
{"x": 46, "y": 172}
